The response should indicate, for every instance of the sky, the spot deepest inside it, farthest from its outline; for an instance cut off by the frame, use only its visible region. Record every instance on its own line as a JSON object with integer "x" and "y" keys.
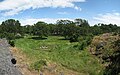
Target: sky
{"x": 49, "y": 11}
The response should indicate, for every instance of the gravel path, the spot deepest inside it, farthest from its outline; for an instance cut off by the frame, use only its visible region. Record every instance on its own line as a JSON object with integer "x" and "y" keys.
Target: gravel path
{"x": 6, "y": 66}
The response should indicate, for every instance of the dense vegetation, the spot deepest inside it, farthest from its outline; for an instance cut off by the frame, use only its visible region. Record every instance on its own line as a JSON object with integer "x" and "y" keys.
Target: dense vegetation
{"x": 71, "y": 30}
{"x": 107, "y": 48}
{"x": 66, "y": 43}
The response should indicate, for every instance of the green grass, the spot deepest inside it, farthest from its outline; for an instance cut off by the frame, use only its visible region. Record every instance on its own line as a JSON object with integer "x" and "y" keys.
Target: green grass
{"x": 61, "y": 52}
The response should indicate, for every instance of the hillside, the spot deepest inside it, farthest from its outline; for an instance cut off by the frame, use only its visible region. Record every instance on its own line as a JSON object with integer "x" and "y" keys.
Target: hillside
{"x": 59, "y": 37}
{"x": 107, "y": 48}
{"x": 54, "y": 56}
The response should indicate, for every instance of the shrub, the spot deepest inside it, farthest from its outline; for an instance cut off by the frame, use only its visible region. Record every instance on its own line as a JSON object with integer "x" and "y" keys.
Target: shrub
{"x": 12, "y": 43}
{"x": 82, "y": 45}
{"x": 2, "y": 35}
{"x": 38, "y": 64}
{"x": 84, "y": 41}
{"x": 8, "y": 36}
{"x": 74, "y": 38}
{"x": 114, "y": 34}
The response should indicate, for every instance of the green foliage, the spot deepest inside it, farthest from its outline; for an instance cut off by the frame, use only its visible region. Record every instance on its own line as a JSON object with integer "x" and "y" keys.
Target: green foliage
{"x": 82, "y": 45}
{"x": 8, "y": 36}
{"x": 41, "y": 29}
{"x": 82, "y": 23}
{"x": 71, "y": 30}
{"x": 66, "y": 28}
{"x": 74, "y": 38}
{"x": 84, "y": 41}
{"x": 3, "y": 35}
{"x": 12, "y": 43}
{"x": 61, "y": 52}
{"x": 9, "y": 30}
{"x": 38, "y": 64}
{"x": 11, "y": 26}
{"x": 96, "y": 30}
{"x": 106, "y": 28}
{"x": 57, "y": 50}
{"x": 28, "y": 29}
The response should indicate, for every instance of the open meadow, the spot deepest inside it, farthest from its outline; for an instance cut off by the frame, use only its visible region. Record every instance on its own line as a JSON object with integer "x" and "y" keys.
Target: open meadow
{"x": 57, "y": 50}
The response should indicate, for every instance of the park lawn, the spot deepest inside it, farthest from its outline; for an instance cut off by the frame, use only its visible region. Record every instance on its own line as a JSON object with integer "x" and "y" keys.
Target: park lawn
{"x": 60, "y": 51}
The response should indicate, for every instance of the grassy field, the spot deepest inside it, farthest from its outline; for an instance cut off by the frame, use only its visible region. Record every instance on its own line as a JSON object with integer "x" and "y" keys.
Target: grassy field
{"x": 56, "y": 49}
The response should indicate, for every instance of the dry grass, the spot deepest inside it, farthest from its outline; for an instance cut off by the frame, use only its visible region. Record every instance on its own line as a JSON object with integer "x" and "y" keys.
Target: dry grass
{"x": 22, "y": 62}
{"x": 51, "y": 69}
{"x": 108, "y": 38}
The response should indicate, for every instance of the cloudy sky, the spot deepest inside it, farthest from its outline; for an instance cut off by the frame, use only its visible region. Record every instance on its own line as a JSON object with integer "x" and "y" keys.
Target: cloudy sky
{"x": 31, "y": 11}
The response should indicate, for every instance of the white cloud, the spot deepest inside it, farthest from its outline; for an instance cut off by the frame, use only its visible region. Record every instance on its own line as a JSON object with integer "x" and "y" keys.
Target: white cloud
{"x": 12, "y": 7}
{"x": 78, "y": 8}
{"x": 31, "y": 21}
{"x": 108, "y": 18}
{"x": 63, "y": 13}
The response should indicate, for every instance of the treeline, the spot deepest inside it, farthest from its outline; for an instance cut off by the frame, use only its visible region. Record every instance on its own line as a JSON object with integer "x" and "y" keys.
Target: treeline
{"x": 78, "y": 30}
{"x": 71, "y": 30}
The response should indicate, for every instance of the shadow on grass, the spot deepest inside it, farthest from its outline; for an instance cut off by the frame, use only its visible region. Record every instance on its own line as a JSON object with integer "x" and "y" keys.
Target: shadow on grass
{"x": 63, "y": 39}
{"x": 38, "y": 38}
{"x": 19, "y": 37}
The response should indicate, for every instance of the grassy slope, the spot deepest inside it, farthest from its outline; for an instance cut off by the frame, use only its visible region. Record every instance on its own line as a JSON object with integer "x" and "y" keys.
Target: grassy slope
{"x": 61, "y": 52}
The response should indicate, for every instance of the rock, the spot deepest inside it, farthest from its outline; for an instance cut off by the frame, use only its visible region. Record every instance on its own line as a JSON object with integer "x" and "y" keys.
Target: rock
{"x": 61, "y": 73}
{"x": 6, "y": 66}
{"x": 41, "y": 73}
{"x": 13, "y": 60}
{"x": 100, "y": 45}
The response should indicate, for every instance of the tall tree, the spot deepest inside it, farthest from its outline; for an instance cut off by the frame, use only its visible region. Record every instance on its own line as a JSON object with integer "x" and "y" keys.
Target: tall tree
{"x": 28, "y": 29}
{"x": 11, "y": 26}
{"x": 61, "y": 24}
{"x": 41, "y": 29}
{"x": 81, "y": 22}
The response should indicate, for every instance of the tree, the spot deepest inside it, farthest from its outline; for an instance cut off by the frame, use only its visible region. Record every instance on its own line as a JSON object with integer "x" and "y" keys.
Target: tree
{"x": 71, "y": 32}
{"x": 84, "y": 26}
{"x": 28, "y": 29}
{"x": 11, "y": 26}
{"x": 61, "y": 26}
{"x": 82, "y": 23}
{"x": 68, "y": 29}
{"x": 52, "y": 29}
{"x": 41, "y": 29}
{"x": 95, "y": 30}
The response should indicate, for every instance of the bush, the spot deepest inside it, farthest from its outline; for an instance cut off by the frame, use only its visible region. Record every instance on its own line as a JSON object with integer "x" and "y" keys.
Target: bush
{"x": 84, "y": 41}
{"x": 74, "y": 38}
{"x": 12, "y": 43}
{"x": 8, "y": 36}
{"x": 82, "y": 45}
{"x": 38, "y": 64}
{"x": 114, "y": 34}
{"x": 2, "y": 35}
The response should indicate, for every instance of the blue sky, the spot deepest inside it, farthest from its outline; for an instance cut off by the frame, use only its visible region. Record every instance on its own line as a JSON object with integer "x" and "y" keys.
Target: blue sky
{"x": 31, "y": 11}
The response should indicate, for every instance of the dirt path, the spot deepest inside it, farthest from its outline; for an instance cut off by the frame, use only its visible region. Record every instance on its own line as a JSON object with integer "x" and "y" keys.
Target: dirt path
{"x": 6, "y": 66}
